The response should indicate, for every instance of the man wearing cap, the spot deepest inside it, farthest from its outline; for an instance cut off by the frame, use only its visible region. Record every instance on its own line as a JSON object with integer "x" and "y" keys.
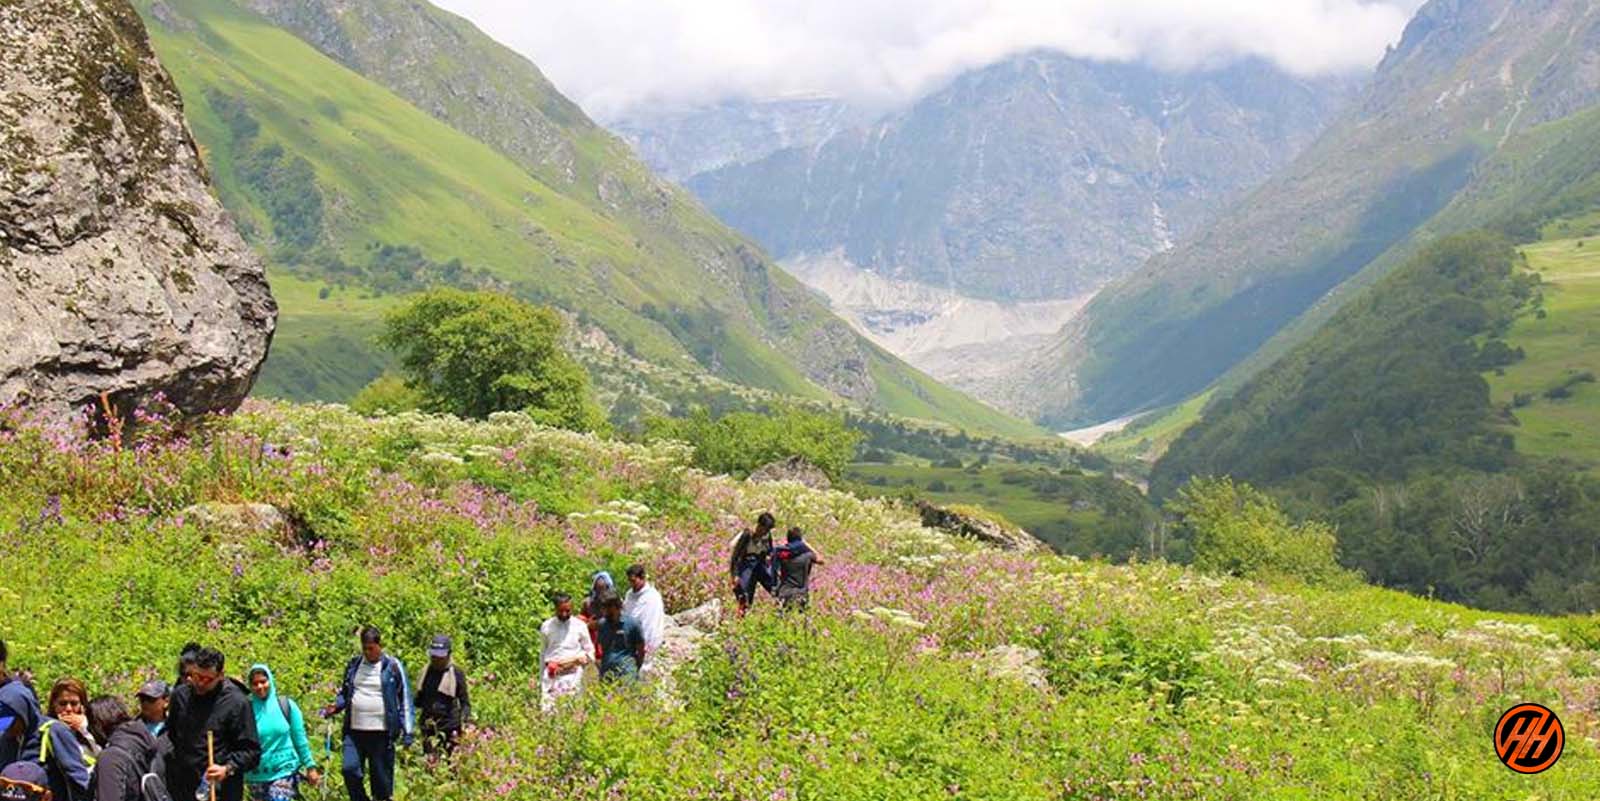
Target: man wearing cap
{"x": 442, "y": 701}
{"x": 154, "y": 696}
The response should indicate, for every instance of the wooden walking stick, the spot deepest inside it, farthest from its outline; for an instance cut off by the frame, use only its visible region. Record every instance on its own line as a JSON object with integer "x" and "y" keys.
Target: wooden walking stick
{"x": 211, "y": 759}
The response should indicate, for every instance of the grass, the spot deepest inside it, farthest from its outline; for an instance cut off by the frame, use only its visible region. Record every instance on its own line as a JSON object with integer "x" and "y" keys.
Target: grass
{"x": 391, "y": 173}
{"x": 324, "y": 345}
{"x": 1562, "y": 344}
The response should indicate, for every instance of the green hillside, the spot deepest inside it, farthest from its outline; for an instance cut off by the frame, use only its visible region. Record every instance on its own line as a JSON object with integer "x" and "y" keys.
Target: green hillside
{"x": 1436, "y": 419}
{"x": 338, "y": 180}
{"x": 1449, "y": 112}
{"x": 1552, "y": 391}
{"x": 926, "y": 666}
{"x": 1549, "y": 172}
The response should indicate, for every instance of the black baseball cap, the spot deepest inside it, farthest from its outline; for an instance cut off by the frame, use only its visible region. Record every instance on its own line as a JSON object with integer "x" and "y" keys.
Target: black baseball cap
{"x": 440, "y": 646}
{"x": 155, "y": 688}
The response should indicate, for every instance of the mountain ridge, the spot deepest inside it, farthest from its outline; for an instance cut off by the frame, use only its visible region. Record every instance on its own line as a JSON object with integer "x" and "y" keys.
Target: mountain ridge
{"x": 1034, "y": 178}
{"x": 1464, "y": 79}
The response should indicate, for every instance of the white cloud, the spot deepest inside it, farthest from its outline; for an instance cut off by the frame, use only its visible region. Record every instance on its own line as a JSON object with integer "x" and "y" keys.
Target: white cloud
{"x": 611, "y": 54}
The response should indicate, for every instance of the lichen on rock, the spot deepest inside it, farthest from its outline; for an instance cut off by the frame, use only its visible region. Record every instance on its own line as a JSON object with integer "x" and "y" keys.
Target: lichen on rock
{"x": 120, "y": 273}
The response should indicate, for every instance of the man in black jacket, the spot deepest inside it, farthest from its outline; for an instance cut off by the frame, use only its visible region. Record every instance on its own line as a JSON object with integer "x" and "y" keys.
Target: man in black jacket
{"x": 442, "y": 702}
{"x": 210, "y": 702}
{"x": 129, "y": 754}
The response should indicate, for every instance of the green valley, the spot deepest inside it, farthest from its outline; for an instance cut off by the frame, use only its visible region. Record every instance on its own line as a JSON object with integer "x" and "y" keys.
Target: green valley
{"x": 330, "y": 174}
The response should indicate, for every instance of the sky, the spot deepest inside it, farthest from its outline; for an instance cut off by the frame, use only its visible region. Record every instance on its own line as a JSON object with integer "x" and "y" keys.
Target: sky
{"x": 616, "y": 56}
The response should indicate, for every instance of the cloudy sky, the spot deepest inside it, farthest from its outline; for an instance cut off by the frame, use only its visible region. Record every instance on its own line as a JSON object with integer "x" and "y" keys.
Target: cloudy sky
{"x": 611, "y": 55}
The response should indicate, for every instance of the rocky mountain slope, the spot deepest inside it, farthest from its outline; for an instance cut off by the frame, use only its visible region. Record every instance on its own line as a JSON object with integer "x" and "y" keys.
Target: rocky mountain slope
{"x": 120, "y": 275}
{"x": 1465, "y": 79}
{"x": 679, "y": 143}
{"x": 1040, "y": 177}
{"x": 389, "y": 145}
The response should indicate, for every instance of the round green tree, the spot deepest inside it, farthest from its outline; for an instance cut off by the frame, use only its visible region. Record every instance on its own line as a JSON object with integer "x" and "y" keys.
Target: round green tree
{"x": 475, "y": 353}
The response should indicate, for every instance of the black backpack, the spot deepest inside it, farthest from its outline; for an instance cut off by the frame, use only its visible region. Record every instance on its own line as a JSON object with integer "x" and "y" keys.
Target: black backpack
{"x": 153, "y": 788}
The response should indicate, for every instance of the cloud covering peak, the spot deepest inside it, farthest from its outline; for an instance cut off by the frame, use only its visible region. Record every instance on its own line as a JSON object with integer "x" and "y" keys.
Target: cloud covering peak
{"x": 611, "y": 55}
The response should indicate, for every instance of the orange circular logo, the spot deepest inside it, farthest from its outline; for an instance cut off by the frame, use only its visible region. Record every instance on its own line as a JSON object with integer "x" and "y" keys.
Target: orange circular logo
{"x": 1529, "y": 738}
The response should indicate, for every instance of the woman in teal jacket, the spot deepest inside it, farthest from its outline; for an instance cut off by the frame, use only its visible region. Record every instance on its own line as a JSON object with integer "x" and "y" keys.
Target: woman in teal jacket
{"x": 285, "y": 751}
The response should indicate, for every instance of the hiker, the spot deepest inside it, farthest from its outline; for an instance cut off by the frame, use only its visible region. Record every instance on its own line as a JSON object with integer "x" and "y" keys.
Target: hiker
{"x": 69, "y": 703}
{"x": 285, "y": 750}
{"x": 567, "y": 648}
{"x": 590, "y": 612}
{"x": 32, "y": 737}
{"x": 213, "y": 732}
{"x": 24, "y": 781}
{"x": 154, "y": 695}
{"x": 749, "y": 561}
{"x": 128, "y": 755}
{"x": 442, "y": 701}
{"x": 643, "y": 603}
{"x": 794, "y": 560}
{"x": 621, "y": 642}
{"x": 185, "y": 663}
{"x": 375, "y": 696}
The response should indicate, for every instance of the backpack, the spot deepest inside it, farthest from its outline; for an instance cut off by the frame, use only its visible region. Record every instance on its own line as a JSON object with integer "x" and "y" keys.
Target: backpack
{"x": 44, "y": 745}
{"x": 152, "y": 788}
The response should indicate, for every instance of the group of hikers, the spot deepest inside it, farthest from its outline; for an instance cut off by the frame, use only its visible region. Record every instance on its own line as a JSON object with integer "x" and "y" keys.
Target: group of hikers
{"x": 212, "y": 737}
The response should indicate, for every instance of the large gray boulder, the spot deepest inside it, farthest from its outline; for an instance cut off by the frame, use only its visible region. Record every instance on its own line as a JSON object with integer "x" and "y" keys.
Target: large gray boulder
{"x": 120, "y": 273}
{"x": 975, "y": 523}
{"x": 794, "y": 468}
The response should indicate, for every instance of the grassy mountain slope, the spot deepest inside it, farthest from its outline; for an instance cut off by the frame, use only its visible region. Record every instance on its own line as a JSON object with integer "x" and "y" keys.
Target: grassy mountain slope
{"x": 1549, "y": 172}
{"x": 1552, "y": 391}
{"x": 1465, "y": 79}
{"x": 332, "y": 174}
{"x": 1391, "y": 385}
{"x": 1442, "y": 420}
{"x": 926, "y": 666}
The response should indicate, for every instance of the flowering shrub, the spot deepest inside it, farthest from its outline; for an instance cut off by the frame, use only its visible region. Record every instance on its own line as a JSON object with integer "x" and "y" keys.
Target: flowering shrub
{"x": 1159, "y": 681}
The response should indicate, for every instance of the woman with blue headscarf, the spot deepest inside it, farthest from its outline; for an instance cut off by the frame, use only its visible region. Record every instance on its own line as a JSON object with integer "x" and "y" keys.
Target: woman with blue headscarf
{"x": 600, "y": 586}
{"x": 285, "y": 750}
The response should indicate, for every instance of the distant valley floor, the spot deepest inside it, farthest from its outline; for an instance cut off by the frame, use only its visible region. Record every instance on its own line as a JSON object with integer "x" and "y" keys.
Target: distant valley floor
{"x": 968, "y": 343}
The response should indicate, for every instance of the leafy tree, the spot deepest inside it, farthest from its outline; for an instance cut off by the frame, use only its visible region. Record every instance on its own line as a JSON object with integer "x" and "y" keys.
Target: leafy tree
{"x": 740, "y": 442}
{"x": 1238, "y": 530}
{"x": 475, "y": 353}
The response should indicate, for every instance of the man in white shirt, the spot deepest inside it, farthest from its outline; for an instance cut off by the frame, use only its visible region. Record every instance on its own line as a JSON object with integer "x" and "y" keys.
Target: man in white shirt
{"x": 567, "y": 648}
{"x": 643, "y": 603}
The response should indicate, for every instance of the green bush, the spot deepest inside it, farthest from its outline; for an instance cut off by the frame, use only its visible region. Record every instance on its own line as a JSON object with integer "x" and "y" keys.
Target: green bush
{"x": 386, "y": 394}
{"x": 740, "y": 442}
{"x": 1235, "y": 529}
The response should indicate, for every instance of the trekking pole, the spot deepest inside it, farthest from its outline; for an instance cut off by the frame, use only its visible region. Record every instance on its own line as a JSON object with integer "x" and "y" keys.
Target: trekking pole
{"x": 327, "y": 755}
{"x": 211, "y": 760}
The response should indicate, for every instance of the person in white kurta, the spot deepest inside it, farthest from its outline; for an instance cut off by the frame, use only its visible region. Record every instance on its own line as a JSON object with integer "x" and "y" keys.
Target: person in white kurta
{"x": 567, "y": 648}
{"x": 643, "y": 603}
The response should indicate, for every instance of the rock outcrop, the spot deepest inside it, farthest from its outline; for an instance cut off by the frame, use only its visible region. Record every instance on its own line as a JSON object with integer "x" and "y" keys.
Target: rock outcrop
{"x": 239, "y": 520}
{"x": 794, "y": 468}
{"x": 969, "y": 522}
{"x": 120, "y": 274}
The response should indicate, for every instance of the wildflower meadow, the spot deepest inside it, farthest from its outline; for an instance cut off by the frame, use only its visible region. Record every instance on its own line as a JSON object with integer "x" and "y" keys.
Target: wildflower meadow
{"x": 1149, "y": 681}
